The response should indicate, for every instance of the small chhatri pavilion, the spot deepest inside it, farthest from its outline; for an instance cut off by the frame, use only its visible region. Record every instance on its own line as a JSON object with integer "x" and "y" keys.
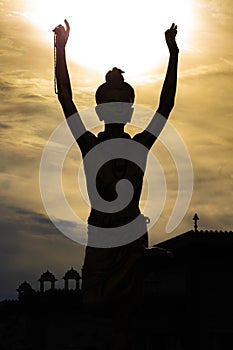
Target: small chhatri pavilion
{"x": 25, "y": 289}
{"x": 71, "y": 275}
{"x": 47, "y": 277}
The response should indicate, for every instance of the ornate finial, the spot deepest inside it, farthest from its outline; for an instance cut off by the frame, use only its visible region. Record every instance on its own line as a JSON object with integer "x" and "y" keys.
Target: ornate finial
{"x": 195, "y": 219}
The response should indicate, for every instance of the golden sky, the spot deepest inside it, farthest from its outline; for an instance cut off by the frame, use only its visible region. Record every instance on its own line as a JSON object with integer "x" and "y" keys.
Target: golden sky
{"x": 29, "y": 112}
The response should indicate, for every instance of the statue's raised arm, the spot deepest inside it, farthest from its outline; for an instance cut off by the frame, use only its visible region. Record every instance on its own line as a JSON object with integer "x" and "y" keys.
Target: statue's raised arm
{"x": 63, "y": 80}
{"x": 167, "y": 96}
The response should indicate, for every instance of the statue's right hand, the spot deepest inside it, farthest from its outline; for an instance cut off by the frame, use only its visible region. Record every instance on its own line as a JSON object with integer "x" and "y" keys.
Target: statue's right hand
{"x": 62, "y": 34}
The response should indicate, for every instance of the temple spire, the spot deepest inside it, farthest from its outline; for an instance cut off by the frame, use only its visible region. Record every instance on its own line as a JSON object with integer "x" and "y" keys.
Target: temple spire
{"x": 195, "y": 219}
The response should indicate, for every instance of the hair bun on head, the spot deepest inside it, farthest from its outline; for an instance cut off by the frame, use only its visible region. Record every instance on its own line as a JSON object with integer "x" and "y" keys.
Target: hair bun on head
{"x": 114, "y": 76}
{"x": 115, "y": 85}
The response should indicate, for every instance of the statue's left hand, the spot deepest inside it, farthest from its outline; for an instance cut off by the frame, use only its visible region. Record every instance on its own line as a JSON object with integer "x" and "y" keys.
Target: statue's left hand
{"x": 62, "y": 34}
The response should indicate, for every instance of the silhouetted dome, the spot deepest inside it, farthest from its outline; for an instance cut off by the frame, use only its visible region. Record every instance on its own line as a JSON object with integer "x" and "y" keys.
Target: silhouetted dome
{"x": 71, "y": 274}
{"x": 24, "y": 287}
{"x": 47, "y": 277}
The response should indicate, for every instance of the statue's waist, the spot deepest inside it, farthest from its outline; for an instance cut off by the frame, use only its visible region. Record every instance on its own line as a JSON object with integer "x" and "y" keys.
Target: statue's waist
{"x": 123, "y": 217}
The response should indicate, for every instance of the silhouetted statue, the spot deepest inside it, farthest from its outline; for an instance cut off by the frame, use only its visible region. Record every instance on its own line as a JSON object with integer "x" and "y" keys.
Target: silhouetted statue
{"x": 113, "y": 274}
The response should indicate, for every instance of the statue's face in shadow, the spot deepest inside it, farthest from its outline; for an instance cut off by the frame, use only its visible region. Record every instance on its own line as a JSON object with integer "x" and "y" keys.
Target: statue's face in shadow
{"x": 115, "y": 112}
{"x": 115, "y": 101}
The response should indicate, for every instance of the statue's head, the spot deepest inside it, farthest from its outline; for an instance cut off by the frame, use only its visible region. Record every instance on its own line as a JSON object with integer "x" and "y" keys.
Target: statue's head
{"x": 115, "y": 98}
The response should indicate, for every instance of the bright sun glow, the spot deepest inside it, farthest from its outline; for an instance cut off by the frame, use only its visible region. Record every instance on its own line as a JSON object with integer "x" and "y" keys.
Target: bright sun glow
{"x": 126, "y": 33}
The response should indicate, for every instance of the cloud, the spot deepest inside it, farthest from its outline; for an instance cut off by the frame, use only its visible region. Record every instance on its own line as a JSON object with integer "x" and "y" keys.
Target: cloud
{"x": 219, "y": 10}
{"x": 30, "y": 216}
{"x": 5, "y": 126}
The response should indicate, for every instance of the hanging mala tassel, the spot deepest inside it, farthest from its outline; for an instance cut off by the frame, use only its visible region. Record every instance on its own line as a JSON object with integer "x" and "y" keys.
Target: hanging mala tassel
{"x": 55, "y": 63}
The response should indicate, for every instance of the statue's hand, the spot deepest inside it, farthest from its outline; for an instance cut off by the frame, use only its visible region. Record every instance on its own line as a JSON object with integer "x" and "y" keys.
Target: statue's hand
{"x": 62, "y": 34}
{"x": 170, "y": 37}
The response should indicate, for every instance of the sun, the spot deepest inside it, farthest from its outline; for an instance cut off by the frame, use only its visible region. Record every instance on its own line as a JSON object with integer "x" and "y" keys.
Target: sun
{"x": 128, "y": 34}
